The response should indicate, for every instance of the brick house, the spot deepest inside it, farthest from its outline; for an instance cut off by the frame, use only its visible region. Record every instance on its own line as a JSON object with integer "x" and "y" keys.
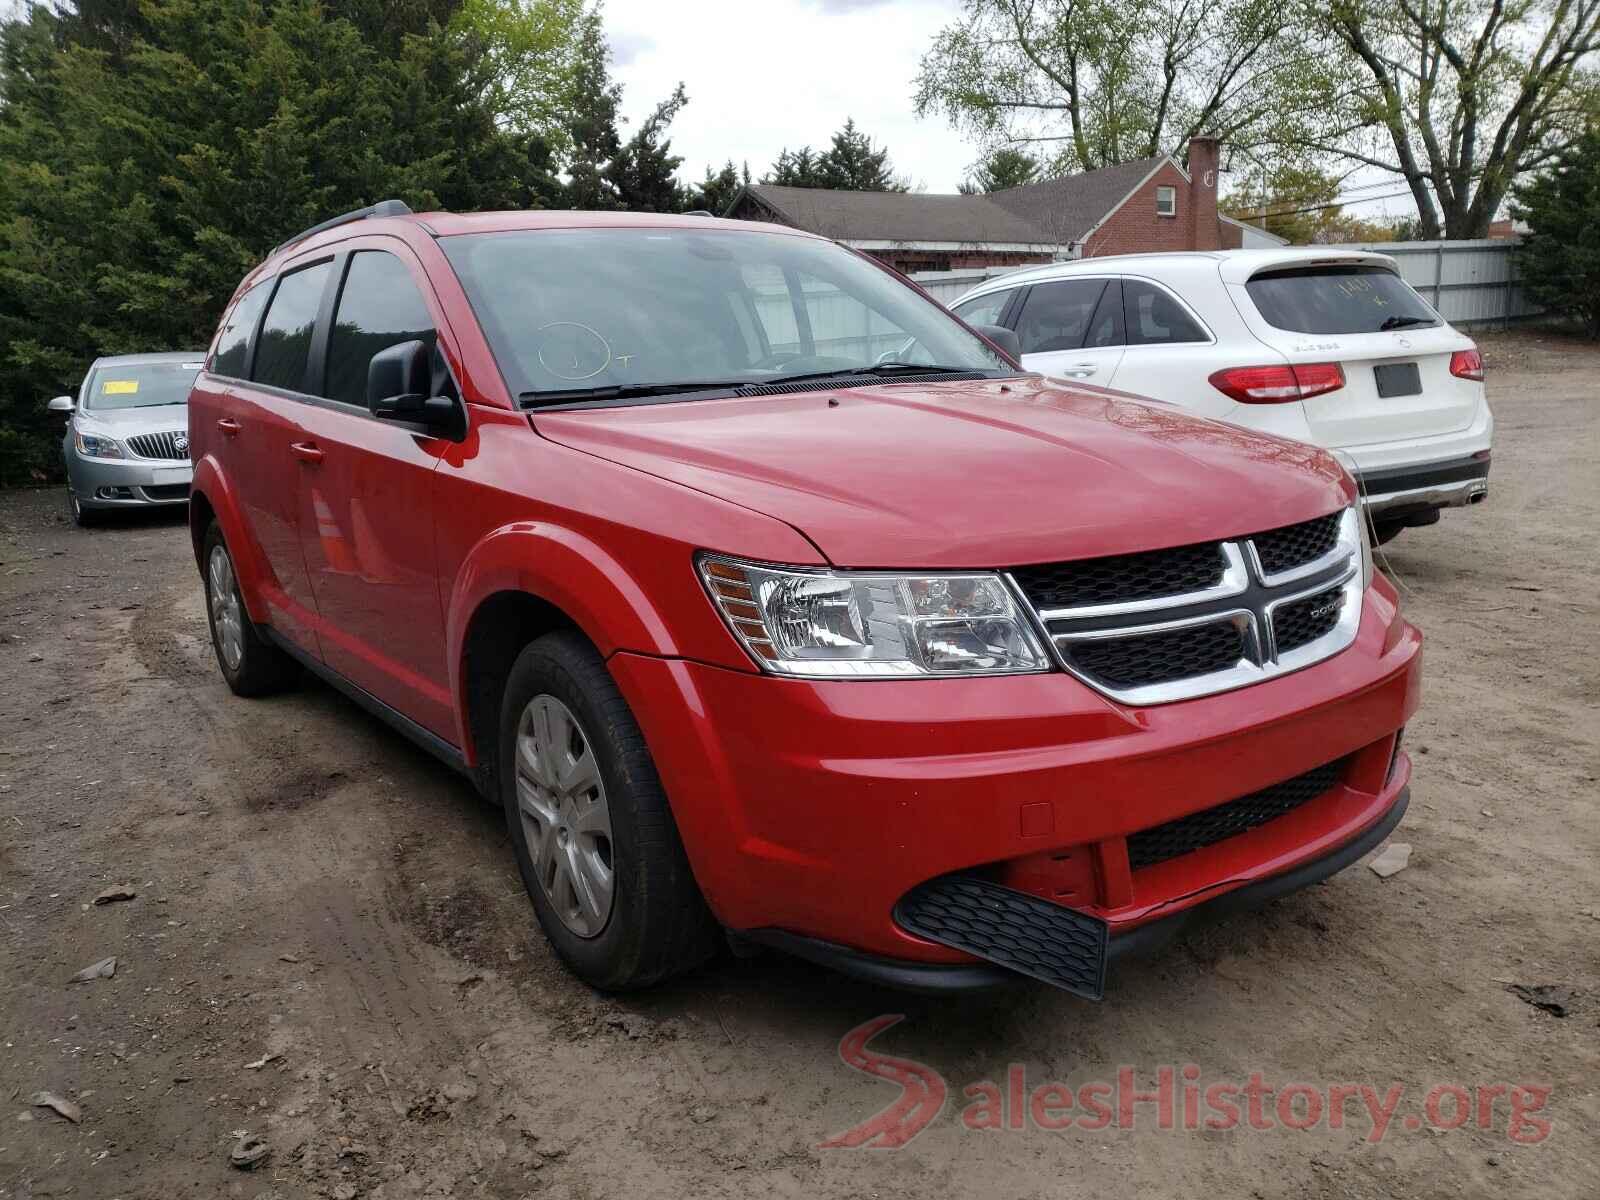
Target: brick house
{"x": 1150, "y": 204}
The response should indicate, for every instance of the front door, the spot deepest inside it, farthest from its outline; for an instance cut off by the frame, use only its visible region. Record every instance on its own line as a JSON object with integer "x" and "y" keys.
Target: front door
{"x": 1072, "y": 329}
{"x": 366, "y": 495}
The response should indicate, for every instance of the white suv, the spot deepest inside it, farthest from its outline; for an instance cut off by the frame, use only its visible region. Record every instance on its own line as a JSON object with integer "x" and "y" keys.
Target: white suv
{"x": 1324, "y": 346}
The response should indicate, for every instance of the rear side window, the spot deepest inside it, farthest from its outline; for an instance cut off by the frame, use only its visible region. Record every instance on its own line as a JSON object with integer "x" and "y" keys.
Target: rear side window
{"x": 233, "y": 344}
{"x": 379, "y": 306}
{"x": 285, "y": 341}
{"x": 1154, "y": 318}
{"x": 1056, "y": 316}
{"x": 985, "y": 310}
{"x": 1332, "y": 299}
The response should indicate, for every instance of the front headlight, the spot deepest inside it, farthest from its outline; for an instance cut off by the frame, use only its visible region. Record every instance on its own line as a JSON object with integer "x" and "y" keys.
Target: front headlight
{"x": 97, "y": 445}
{"x": 849, "y": 625}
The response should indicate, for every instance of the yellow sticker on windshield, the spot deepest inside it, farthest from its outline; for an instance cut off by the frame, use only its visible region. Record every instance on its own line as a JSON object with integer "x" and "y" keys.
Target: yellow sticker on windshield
{"x": 119, "y": 387}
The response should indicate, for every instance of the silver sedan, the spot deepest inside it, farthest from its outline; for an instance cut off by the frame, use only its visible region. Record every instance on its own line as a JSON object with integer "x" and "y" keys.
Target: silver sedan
{"x": 127, "y": 440}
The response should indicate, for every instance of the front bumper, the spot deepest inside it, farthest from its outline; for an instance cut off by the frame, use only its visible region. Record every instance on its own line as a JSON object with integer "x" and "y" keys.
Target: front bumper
{"x": 127, "y": 483}
{"x": 945, "y": 978}
{"x": 812, "y": 808}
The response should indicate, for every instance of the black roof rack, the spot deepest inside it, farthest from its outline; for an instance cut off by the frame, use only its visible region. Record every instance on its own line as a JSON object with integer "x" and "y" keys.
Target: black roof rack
{"x": 383, "y": 208}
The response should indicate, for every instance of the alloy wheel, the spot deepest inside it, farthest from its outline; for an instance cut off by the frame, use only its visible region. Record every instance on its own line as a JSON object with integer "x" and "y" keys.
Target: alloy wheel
{"x": 561, "y": 800}
{"x": 227, "y": 620}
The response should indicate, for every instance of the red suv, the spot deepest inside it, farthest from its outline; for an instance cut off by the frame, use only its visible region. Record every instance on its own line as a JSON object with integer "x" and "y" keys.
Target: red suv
{"x": 777, "y": 605}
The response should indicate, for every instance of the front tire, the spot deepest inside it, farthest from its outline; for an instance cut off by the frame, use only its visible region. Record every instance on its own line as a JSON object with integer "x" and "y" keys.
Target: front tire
{"x": 590, "y": 824}
{"x": 82, "y": 517}
{"x": 251, "y": 665}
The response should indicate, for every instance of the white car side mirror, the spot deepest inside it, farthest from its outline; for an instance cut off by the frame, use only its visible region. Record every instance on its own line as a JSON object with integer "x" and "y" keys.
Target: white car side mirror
{"x": 60, "y": 404}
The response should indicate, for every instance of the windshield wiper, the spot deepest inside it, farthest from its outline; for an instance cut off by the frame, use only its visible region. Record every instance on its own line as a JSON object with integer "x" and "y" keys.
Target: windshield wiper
{"x": 1403, "y": 323}
{"x": 884, "y": 370}
{"x": 624, "y": 391}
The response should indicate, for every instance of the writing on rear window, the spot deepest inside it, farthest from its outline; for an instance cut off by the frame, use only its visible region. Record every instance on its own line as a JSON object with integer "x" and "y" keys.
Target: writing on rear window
{"x": 1338, "y": 299}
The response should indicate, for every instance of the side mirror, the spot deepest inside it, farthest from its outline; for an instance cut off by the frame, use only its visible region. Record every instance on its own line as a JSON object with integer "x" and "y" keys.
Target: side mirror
{"x": 60, "y": 404}
{"x": 400, "y": 387}
{"x": 1005, "y": 338}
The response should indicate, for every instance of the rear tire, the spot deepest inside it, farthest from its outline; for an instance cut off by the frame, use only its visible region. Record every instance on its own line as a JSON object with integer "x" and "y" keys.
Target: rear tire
{"x": 590, "y": 824}
{"x": 251, "y": 665}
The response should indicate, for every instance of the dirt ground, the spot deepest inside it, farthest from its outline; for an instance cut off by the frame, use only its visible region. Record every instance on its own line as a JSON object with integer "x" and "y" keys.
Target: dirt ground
{"x": 309, "y": 886}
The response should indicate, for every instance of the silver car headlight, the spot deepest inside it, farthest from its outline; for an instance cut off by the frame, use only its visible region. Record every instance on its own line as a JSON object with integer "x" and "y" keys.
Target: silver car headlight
{"x": 97, "y": 445}
{"x": 852, "y": 625}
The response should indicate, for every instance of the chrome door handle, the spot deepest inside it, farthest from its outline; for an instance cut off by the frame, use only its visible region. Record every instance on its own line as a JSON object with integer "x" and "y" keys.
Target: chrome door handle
{"x": 1080, "y": 370}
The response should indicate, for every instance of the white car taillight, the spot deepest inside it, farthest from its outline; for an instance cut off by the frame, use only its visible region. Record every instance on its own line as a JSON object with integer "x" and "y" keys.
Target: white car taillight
{"x": 1467, "y": 364}
{"x": 1278, "y": 383}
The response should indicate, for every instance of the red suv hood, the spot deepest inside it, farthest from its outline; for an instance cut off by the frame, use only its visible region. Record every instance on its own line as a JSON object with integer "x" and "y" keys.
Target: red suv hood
{"x": 969, "y": 474}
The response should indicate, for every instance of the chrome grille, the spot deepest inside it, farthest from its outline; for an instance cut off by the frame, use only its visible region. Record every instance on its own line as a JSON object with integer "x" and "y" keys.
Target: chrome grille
{"x": 1167, "y": 625}
{"x": 173, "y": 445}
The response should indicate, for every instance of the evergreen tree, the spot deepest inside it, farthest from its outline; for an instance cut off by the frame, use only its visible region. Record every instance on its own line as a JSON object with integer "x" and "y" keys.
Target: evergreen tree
{"x": 716, "y": 192}
{"x": 1006, "y": 167}
{"x": 643, "y": 170}
{"x": 854, "y": 164}
{"x": 593, "y": 125}
{"x": 1559, "y": 261}
{"x": 795, "y": 168}
{"x": 149, "y": 159}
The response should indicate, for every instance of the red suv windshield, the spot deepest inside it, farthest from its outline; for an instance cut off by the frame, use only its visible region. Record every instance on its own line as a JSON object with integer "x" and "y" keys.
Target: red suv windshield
{"x": 617, "y": 308}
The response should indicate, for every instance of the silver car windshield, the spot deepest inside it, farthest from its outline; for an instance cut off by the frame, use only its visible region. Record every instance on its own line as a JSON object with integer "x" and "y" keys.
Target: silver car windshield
{"x": 569, "y": 310}
{"x": 139, "y": 385}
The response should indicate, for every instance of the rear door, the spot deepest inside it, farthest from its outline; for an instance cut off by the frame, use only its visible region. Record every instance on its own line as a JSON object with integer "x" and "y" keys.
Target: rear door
{"x": 365, "y": 492}
{"x": 1393, "y": 348}
{"x": 1071, "y": 328}
{"x": 260, "y": 423}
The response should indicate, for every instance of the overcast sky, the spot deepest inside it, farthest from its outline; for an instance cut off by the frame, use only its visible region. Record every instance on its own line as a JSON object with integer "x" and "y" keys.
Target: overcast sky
{"x": 764, "y": 74}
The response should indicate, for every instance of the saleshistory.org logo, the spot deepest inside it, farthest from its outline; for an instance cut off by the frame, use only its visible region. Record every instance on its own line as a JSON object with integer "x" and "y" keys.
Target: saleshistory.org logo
{"x": 1180, "y": 1098}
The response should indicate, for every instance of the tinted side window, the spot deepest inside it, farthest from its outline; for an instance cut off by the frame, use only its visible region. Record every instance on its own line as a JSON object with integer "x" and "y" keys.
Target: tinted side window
{"x": 1105, "y": 328}
{"x": 1154, "y": 318}
{"x": 379, "y": 307}
{"x": 985, "y": 310}
{"x": 239, "y": 324}
{"x": 1056, "y": 315}
{"x": 285, "y": 340}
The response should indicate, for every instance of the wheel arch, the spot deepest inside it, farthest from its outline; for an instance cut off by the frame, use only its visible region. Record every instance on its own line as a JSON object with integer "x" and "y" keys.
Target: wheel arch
{"x": 212, "y": 499}
{"x": 518, "y": 583}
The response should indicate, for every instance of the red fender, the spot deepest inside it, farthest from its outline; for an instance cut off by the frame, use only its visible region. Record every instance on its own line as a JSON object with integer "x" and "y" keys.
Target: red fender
{"x": 248, "y": 564}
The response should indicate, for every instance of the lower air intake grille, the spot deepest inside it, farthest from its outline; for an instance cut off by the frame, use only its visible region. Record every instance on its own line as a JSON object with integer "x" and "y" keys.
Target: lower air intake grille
{"x": 1030, "y": 936}
{"x": 1130, "y": 662}
{"x": 1301, "y": 621}
{"x": 1212, "y": 825}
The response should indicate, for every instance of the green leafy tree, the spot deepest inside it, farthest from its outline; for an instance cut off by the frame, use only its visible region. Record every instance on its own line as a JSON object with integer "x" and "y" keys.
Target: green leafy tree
{"x": 1558, "y": 262}
{"x": 1454, "y": 98}
{"x": 147, "y": 164}
{"x": 1096, "y": 82}
{"x": 1457, "y": 97}
{"x": 644, "y": 169}
{"x": 1301, "y": 204}
{"x": 530, "y": 54}
{"x": 1004, "y": 167}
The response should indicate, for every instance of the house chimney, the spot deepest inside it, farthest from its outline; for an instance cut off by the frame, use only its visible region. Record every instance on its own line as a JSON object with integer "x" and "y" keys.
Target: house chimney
{"x": 1203, "y": 157}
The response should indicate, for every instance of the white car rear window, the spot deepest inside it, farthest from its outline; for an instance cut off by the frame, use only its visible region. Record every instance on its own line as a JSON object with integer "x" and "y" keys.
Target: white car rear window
{"x": 1336, "y": 299}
